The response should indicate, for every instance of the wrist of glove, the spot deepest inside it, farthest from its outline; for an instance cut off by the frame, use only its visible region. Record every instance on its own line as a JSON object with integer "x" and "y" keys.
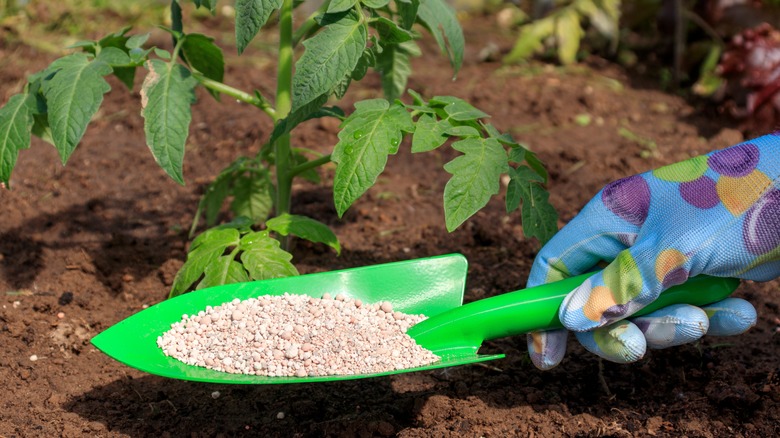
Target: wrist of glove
{"x": 717, "y": 214}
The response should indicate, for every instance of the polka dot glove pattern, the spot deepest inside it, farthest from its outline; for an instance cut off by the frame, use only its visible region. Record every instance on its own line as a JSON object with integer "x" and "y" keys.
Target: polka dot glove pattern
{"x": 716, "y": 214}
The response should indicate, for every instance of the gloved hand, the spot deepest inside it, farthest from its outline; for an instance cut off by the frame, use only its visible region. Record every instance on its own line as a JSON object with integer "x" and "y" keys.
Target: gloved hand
{"x": 717, "y": 214}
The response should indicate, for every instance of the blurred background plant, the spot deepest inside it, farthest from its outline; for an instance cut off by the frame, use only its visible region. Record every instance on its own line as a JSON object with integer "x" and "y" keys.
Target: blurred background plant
{"x": 724, "y": 50}
{"x": 46, "y": 24}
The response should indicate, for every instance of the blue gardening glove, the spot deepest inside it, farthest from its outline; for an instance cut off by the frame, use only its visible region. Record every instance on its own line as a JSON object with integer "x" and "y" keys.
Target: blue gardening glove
{"x": 717, "y": 214}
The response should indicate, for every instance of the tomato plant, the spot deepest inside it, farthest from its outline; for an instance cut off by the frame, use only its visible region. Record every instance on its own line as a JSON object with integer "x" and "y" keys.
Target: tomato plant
{"x": 341, "y": 42}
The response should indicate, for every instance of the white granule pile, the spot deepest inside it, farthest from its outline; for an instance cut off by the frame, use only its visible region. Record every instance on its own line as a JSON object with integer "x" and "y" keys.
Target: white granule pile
{"x": 297, "y": 335}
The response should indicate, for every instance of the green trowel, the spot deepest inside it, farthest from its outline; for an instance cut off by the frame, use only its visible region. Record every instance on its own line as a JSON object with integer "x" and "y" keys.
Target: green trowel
{"x": 431, "y": 286}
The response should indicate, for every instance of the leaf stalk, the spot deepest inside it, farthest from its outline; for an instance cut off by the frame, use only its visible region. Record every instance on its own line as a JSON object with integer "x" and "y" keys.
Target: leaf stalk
{"x": 303, "y": 167}
{"x": 310, "y": 25}
{"x": 255, "y": 100}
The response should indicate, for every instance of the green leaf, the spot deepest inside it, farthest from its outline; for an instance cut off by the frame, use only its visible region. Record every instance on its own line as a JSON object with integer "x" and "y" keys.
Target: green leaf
{"x": 390, "y": 32}
{"x": 367, "y": 137}
{"x": 225, "y": 270}
{"x": 458, "y": 109}
{"x": 568, "y": 33}
{"x": 375, "y": 4}
{"x": 118, "y": 39}
{"x": 35, "y": 90}
{"x": 138, "y": 56}
{"x": 137, "y": 41}
{"x": 88, "y": 46}
{"x": 330, "y": 55}
{"x": 211, "y": 5}
{"x": 205, "y": 250}
{"x": 462, "y": 131}
{"x": 504, "y": 138}
{"x": 241, "y": 223}
{"x": 113, "y": 56}
{"x": 73, "y": 96}
{"x": 475, "y": 178}
{"x": 164, "y": 54}
{"x": 517, "y": 154}
{"x": 367, "y": 59}
{"x": 121, "y": 42}
{"x": 41, "y": 128}
{"x": 337, "y": 6}
{"x": 395, "y": 68}
{"x": 16, "y": 121}
{"x": 251, "y": 197}
{"x": 263, "y": 258}
{"x": 429, "y": 134}
{"x": 251, "y": 15}
{"x": 305, "y": 228}
{"x": 215, "y": 195}
{"x": 216, "y": 192}
{"x": 204, "y": 56}
{"x": 538, "y": 216}
{"x": 407, "y": 12}
{"x": 177, "y": 21}
{"x": 342, "y": 86}
{"x": 166, "y": 96}
{"x": 126, "y": 75}
{"x": 536, "y": 164}
{"x": 519, "y": 184}
{"x": 441, "y": 21}
{"x": 417, "y": 99}
{"x": 38, "y": 106}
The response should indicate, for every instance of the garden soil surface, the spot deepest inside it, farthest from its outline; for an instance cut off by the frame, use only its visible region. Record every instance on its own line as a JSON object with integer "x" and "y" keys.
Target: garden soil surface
{"x": 86, "y": 245}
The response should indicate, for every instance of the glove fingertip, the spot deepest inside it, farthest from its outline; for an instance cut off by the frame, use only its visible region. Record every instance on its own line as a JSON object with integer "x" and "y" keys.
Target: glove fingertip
{"x": 673, "y": 325}
{"x": 621, "y": 342}
{"x": 547, "y": 349}
{"x": 732, "y": 316}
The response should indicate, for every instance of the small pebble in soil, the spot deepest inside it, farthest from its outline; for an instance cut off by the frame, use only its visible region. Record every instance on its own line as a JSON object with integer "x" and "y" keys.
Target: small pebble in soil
{"x": 61, "y": 315}
{"x": 280, "y": 416}
{"x": 297, "y": 336}
{"x": 33, "y": 358}
{"x": 215, "y": 395}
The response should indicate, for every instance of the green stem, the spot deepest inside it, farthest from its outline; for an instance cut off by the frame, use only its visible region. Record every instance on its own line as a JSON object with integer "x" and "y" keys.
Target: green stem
{"x": 283, "y": 107}
{"x": 176, "y": 50}
{"x": 310, "y": 25}
{"x": 299, "y": 169}
{"x": 237, "y": 94}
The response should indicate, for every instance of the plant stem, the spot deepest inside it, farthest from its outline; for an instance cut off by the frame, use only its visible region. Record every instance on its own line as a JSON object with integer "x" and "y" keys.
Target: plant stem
{"x": 299, "y": 169}
{"x": 283, "y": 107}
{"x": 236, "y": 94}
{"x": 176, "y": 50}
{"x": 310, "y": 25}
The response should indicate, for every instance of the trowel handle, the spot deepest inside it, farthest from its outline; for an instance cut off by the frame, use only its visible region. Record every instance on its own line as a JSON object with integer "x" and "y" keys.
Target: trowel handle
{"x": 536, "y": 308}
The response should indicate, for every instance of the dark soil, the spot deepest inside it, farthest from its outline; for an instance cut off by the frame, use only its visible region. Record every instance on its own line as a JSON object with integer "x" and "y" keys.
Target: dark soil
{"x": 103, "y": 237}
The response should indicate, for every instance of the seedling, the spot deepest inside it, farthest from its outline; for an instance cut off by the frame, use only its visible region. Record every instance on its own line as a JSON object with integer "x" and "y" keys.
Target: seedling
{"x": 340, "y": 43}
